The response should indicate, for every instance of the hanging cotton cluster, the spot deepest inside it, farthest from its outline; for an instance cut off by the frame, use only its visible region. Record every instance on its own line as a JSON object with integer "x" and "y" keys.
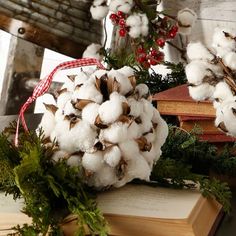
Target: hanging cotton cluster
{"x": 138, "y": 25}
{"x": 186, "y": 19}
{"x": 105, "y": 123}
{"x": 211, "y": 76}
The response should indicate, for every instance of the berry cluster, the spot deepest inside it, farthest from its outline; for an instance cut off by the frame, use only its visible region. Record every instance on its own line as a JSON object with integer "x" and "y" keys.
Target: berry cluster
{"x": 148, "y": 57}
{"x": 119, "y": 20}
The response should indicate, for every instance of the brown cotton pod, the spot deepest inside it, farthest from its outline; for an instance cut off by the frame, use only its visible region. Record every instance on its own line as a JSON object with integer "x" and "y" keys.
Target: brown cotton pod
{"x": 121, "y": 169}
{"x": 50, "y": 107}
{"x": 138, "y": 120}
{"x": 71, "y": 77}
{"x": 73, "y": 122}
{"x": 81, "y": 103}
{"x": 113, "y": 85}
{"x": 132, "y": 80}
{"x": 222, "y": 127}
{"x": 126, "y": 108}
{"x": 99, "y": 124}
{"x": 233, "y": 110}
{"x": 124, "y": 119}
{"x": 59, "y": 92}
{"x": 97, "y": 83}
{"x": 143, "y": 144}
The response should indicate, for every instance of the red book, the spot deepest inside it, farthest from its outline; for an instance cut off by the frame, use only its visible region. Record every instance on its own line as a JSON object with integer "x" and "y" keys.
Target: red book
{"x": 177, "y": 101}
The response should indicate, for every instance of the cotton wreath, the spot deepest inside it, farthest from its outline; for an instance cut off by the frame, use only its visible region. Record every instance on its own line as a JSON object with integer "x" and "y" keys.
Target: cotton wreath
{"x": 106, "y": 124}
{"x": 211, "y": 75}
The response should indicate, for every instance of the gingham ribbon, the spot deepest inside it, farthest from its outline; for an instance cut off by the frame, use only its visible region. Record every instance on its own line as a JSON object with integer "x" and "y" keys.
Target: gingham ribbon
{"x": 43, "y": 86}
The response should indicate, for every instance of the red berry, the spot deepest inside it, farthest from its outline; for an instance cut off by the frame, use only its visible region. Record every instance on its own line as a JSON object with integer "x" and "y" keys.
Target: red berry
{"x": 153, "y": 62}
{"x": 114, "y": 18}
{"x": 160, "y": 56}
{"x": 122, "y": 22}
{"x": 140, "y": 49}
{"x": 160, "y": 42}
{"x": 175, "y": 28}
{"x": 122, "y": 32}
{"x": 172, "y": 34}
{"x": 120, "y": 14}
{"x": 146, "y": 64}
{"x": 153, "y": 52}
{"x": 142, "y": 57}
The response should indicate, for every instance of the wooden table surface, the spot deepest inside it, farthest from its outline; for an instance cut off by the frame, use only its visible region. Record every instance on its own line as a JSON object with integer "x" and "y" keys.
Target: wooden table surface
{"x": 227, "y": 227}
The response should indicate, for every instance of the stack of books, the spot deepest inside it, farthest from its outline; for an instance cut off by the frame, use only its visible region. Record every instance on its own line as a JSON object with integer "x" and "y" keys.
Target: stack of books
{"x": 190, "y": 113}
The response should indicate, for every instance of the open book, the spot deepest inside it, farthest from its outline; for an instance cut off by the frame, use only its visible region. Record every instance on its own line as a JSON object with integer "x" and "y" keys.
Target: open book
{"x": 10, "y": 214}
{"x": 155, "y": 211}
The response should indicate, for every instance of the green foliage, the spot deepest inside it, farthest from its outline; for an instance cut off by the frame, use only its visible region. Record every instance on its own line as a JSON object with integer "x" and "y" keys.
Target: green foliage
{"x": 50, "y": 190}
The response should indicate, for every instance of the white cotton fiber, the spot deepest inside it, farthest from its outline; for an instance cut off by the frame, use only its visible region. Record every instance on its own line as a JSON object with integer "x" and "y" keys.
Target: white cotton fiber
{"x": 92, "y": 51}
{"x": 74, "y": 161}
{"x": 135, "y": 107}
{"x": 63, "y": 98}
{"x": 92, "y": 161}
{"x": 99, "y": 12}
{"x": 90, "y": 112}
{"x": 129, "y": 149}
{"x": 141, "y": 91}
{"x": 146, "y": 124}
{"x": 222, "y": 92}
{"x": 80, "y": 78}
{"x": 59, "y": 155}
{"x": 229, "y": 112}
{"x": 134, "y": 131}
{"x": 112, "y": 156}
{"x": 197, "y": 51}
{"x": 161, "y": 133}
{"x": 115, "y": 133}
{"x": 134, "y": 20}
{"x": 121, "y": 5}
{"x": 147, "y": 108}
{"x": 126, "y": 70}
{"x": 230, "y": 60}
{"x": 219, "y": 39}
{"x": 69, "y": 109}
{"x": 201, "y": 92}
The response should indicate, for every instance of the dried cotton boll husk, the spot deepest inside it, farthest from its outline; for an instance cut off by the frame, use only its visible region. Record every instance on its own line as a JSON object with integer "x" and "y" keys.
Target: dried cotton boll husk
{"x": 222, "y": 92}
{"x": 69, "y": 109}
{"x": 90, "y": 112}
{"x": 88, "y": 91}
{"x": 92, "y": 161}
{"x": 116, "y": 133}
{"x": 112, "y": 156}
{"x": 92, "y": 51}
{"x": 197, "y": 51}
{"x": 230, "y": 60}
{"x": 125, "y": 84}
{"x": 186, "y": 19}
{"x": 201, "y": 92}
{"x": 219, "y": 38}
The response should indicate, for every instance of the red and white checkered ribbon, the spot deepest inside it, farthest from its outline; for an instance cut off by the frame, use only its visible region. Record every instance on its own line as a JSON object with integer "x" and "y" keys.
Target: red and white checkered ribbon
{"x": 44, "y": 85}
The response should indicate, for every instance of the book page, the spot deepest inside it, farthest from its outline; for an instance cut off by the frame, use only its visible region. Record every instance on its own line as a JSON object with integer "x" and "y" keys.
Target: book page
{"x": 146, "y": 201}
{"x": 10, "y": 213}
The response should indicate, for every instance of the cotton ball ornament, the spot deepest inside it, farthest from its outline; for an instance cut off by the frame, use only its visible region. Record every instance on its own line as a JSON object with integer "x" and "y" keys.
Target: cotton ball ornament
{"x": 186, "y": 19}
{"x": 201, "y": 92}
{"x": 197, "y": 51}
{"x": 99, "y": 9}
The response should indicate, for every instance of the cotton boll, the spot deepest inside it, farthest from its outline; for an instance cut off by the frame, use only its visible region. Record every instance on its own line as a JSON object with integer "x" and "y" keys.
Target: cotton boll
{"x": 139, "y": 168}
{"x": 133, "y": 20}
{"x": 186, "y": 19}
{"x": 146, "y": 123}
{"x": 110, "y": 111}
{"x": 152, "y": 156}
{"x": 126, "y": 70}
{"x": 121, "y": 5}
{"x": 230, "y": 60}
{"x": 92, "y": 161}
{"x": 69, "y": 109}
{"x": 74, "y": 161}
{"x": 197, "y": 51}
{"x": 80, "y": 78}
{"x": 144, "y": 30}
{"x": 147, "y": 108}
{"x": 59, "y": 116}
{"x": 112, "y": 156}
{"x": 222, "y": 92}
{"x": 229, "y": 112}
{"x": 135, "y": 107}
{"x": 219, "y": 39}
{"x": 116, "y": 133}
{"x": 104, "y": 178}
{"x": 125, "y": 84}
{"x": 134, "y": 131}
{"x": 62, "y": 99}
{"x": 141, "y": 91}
{"x": 126, "y": 7}
{"x": 59, "y": 155}
{"x": 219, "y": 117}
{"x": 47, "y": 123}
{"x": 68, "y": 85}
{"x": 97, "y": 74}
{"x": 99, "y": 12}
{"x": 92, "y": 51}
{"x": 196, "y": 71}
{"x": 90, "y": 112}
{"x": 129, "y": 149}
{"x": 161, "y": 133}
{"x": 88, "y": 91}
{"x": 135, "y": 32}
{"x": 201, "y": 92}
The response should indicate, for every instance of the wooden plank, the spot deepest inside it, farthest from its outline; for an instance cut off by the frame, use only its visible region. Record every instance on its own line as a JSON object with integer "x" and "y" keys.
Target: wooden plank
{"x": 44, "y": 38}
